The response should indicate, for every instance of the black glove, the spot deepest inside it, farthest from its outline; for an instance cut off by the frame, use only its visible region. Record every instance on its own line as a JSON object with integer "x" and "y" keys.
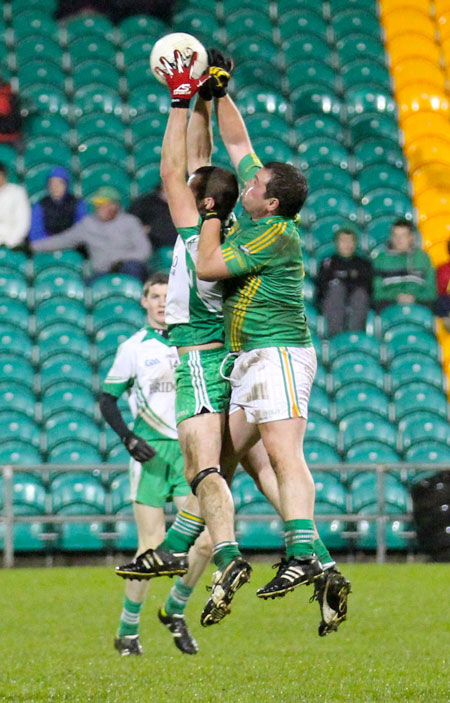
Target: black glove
{"x": 138, "y": 448}
{"x": 220, "y": 67}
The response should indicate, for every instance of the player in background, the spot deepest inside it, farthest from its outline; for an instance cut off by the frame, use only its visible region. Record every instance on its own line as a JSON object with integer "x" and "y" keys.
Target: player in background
{"x": 144, "y": 367}
{"x": 276, "y": 363}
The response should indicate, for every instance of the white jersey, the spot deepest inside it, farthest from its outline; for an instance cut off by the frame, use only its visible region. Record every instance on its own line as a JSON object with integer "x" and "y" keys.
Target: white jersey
{"x": 144, "y": 366}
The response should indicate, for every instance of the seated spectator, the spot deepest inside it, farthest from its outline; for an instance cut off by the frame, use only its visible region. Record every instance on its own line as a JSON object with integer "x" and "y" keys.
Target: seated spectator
{"x": 115, "y": 241}
{"x": 403, "y": 272}
{"x": 443, "y": 289}
{"x": 15, "y": 212}
{"x": 153, "y": 211}
{"x": 58, "y": 210}
{"x": 10, "y": 118}
{"x": 344, "y": 286}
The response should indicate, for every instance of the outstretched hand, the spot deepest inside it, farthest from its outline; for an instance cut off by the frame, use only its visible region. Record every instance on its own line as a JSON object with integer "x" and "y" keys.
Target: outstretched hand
{"x": 178, "y": 76}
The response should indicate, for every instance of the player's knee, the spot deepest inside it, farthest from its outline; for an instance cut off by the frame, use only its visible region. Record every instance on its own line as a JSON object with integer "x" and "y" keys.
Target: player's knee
{"x": 204, "y": 545}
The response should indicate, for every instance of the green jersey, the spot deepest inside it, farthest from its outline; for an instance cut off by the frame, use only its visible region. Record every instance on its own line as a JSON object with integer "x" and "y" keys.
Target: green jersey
{"x": 264, "y": 298}
{"x": 194, "y": 312}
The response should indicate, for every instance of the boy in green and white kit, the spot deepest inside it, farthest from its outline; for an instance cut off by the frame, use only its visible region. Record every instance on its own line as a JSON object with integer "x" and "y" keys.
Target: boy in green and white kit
{"x": 144, "y": 367}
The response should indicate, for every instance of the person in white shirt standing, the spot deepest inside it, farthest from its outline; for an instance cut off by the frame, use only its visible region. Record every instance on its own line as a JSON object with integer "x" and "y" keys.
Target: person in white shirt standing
{"x": 144, "y": 367}
{"x": 15, "y": 211}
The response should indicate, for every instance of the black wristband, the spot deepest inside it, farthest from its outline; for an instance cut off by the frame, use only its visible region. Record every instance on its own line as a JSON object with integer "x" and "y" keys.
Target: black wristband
{"x": 181, "y": 102}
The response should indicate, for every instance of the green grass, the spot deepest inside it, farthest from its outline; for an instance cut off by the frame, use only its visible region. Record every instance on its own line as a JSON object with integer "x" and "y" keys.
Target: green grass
{"x": 57, "y": 627}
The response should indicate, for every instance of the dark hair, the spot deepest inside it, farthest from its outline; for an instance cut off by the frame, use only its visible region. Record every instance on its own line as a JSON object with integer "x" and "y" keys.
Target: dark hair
{"x": 217, "y": 183}
{"x": 3, "y": 168}
{"x": 402, "y": 222}
{"x": 346, "y": 230}
{"x": 155, "y": 279}
{"x": 288, "y": 184}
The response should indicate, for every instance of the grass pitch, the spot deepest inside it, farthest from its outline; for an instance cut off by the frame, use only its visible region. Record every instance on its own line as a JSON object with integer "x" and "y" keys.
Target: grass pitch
{"x": 58, "y": 626}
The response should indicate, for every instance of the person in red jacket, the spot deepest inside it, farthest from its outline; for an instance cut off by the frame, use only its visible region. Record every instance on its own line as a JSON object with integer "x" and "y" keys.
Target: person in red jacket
{"x": 443, "y": 289}
{"x": 10, "y": 118}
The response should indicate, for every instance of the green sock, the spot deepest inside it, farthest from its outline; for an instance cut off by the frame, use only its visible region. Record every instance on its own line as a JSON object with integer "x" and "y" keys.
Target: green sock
{"x": 298, "y": 538}
{"x": 323, "y": 554}
{"x": 183, "y": 533}
{"x": 225, "y": 552}
{"x": 129, "y": 620}
{"x": 178, "y": 598}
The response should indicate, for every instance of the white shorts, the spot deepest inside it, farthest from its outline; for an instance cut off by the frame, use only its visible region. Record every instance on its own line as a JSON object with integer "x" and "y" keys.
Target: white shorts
{"x": 273, "y": 383}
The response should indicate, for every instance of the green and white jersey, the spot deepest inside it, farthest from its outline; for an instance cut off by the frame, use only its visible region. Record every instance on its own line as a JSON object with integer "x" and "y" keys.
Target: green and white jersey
{"x": 264, "y": 300}
{"x": 144, "y": 366}
{"x": 194, "y": 312}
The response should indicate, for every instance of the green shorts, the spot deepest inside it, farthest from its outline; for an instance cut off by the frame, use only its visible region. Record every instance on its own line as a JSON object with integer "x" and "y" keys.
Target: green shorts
{"x": 200, "y": 383}
{"x": 160, "y": 479}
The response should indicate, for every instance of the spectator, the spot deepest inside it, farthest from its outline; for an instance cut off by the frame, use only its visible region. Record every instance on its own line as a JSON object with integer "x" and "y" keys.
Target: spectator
{"x": 344, "y": 286}
{"x": 15, "y": 211}
{"x": 117, "y": 10}
{"x": 114, "y": 240}
{"x": 403, "y": 272}
{"x": 58, "y": 210}
{"x": 153, "y": 211}
{"x": 10, "y": 118}
{"x": 443, "y": 289}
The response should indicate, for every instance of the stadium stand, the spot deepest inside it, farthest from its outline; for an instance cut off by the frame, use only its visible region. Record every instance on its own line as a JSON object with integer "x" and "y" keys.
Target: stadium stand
{"x": 367, "y": 127}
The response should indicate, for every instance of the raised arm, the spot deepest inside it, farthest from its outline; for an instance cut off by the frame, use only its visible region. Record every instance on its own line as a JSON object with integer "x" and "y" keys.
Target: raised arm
{"x": 182, "y": 87}
{"x": 199, "y": 136}
{"x": 233, "y": 130}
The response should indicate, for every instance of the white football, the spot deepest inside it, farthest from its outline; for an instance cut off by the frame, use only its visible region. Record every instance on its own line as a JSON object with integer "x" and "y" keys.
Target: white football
{"x": 186, "y": 45}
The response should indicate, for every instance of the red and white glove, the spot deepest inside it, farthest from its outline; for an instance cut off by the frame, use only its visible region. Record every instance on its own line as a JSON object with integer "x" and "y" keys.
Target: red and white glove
{"x": 182, "y": 85}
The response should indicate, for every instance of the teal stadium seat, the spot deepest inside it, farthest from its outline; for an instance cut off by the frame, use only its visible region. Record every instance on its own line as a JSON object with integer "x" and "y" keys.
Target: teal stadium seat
{"x": 370, "y": 126}
{"x": 50, "y": 152}
{"x": 47, "y": 6}
{"x": 322, "y": 150}
{"x": 394, "y": 534}
{"x": 13, "y": 285}
{"x": 135, "y": 48}
{"x": 199, "y": 22}
{"x": 403, "y": 338}
{"x": 127, "y": 531}
{"x": 330, "y": 531}
{"x": 19, "y": 453}
{"x": 13, "y": 339}
{"x": 366, "y": 73}
{"x": 122, "y": 311}
{"x": 329, "y": 489}
{"x": 379, "y": 176}
{"x": 120, "y": 492}
{"x": 307, "y": 100}
{"x": 67, "y": 395}
{"x": 301, "y": 48}
{"x": 337, "y": 6}
{"x": 360, "y": 46}
{"x": 249, "y": 22}
{"x": 266, "y": 126}
{"x": 18, "y": 426}
{"x": 349, "y": 21}
{"x": 242, "y": 49}
{"x": 147, "y": 178}
{"x": 244, "y": 490}
{"x": 378, "y": 231}
{"x": 139, "y": 74}
{"x": 363, "y": 426}
{"x": 99, "y": 175}
{"x": 319, "y": 402}
{"x": 149, "y": 99}
{"x": 320, "y": 429}
{"x": 251, "y": 101}
{"x": 313, "y": 73}
{"x": 74, "y": 494}
{"x": 233, "y": 5}
{"x": 69, "y": 425}
{"x": 142, "y": 25}
{"x": 329, "y": 202}
{"x": 389, "y": 202}
{"x": 368, "y": 370}
{"x": 148, "y": 151}
{"x": 60, "y": 261}
{"x": 38, "y": 47}
{"x": 302, "y": 23}
{"x": 380, "y": 151}
{"x": 264, "y": 534}
{"x": 108, "y": 338}
{"x": 358, "y": 397}
{"x": 420, "y": 396}
{"x": 147, "y": 126}
{"x": 320, "y": 453}
{"x": 273, "y": 149}
{"x": 61, "y": 338}
{"x": 254, "y": 72}
{"x": 102, "y": 150}
{"x": 33, "y": 23}
{"x": 43, "y": 73}
{"x": 15, "y": 369}
{"x": 94, "y": 26}
{"x": 413, "y": 367}
{"x": 52, "y": 283}
{"x": 92, "y": 47}
{"x": 74, "y": 452}
{"x": 371, "y": 452}
{"x": 423, "y": 426}
{"x": 60, "y": 310}
{"x": 57, "y": 369}
{"x": 364, "y": 492}
{"x": 98, "y": 73}
{"x": 118, "y": 455}
{"x": 17, "y": 398}
{"x": 350, "y": 342}
{"x": 323, "y": 230}
{"x": 47, "y": 126}
{"x": 28, "y": 500}
{"x": 100, "y": 125}
{"x": 96, "y": 98}
{"x": 15, "y": 312}
{"x": 368, "y": 100}
{"x": 114, "y": 286}
{"x": 318, "y": 125}
{"x": 413, "y": 314}
{"x": 321, "y": 377}
{"x": 427, "y": 452}
{"x": 325, "y": 178}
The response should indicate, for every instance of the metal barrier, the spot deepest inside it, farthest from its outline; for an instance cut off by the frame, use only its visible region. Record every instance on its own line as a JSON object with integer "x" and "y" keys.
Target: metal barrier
{"x": 8, "y": 519}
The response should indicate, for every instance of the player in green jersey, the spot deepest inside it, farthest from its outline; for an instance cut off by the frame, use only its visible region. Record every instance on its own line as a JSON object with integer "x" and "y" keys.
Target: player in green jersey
{"x": 144, "y": 368}
{"x": 276, "y": 363}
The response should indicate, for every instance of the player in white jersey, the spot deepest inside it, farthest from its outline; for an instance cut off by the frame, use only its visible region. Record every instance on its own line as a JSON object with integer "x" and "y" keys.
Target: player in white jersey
{"x": 144, "y": 367}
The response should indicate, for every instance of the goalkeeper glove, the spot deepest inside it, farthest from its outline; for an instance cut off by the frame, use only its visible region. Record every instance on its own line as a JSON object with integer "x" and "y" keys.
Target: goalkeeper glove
{"x": 220, "y": 67}
{"x": 182, "y": 84}
{"x": 138, "y": 448}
